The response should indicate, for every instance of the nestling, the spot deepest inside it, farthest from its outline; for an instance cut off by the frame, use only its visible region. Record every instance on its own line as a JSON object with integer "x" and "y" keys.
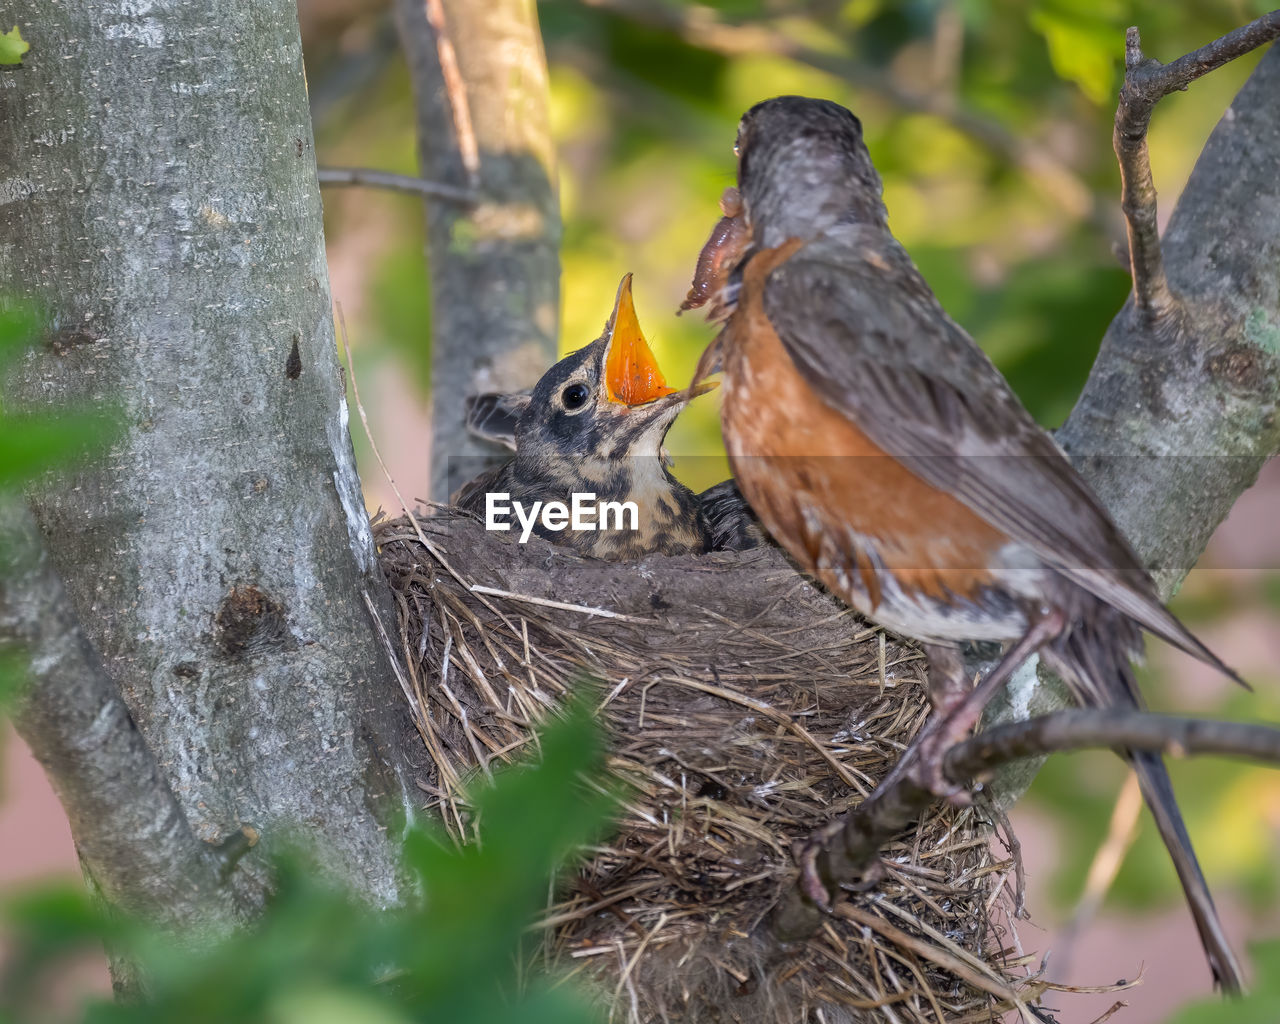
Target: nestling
{"x": 596, "y": 422}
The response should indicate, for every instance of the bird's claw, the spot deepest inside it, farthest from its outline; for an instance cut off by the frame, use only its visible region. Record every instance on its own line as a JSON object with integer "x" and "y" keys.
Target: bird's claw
{"x": 811, "y": 883}
{"x": 929, "y": 770}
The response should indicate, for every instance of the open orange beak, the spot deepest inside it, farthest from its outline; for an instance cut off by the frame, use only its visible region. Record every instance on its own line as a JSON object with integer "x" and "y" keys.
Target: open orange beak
{"x": 631, "y": 373}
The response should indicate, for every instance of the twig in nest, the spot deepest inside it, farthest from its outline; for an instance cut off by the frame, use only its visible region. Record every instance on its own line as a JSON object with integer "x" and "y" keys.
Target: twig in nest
{"x": 564, "y": 606}
{"x": 1146, "y": 82}
{"x": 1116, "y": 1007}
{"x": 1015, "y": 854}
{"x": 970, "y": 971}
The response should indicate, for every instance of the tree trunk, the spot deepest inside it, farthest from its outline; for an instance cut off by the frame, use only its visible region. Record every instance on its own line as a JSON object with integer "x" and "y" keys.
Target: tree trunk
{"x": 158, "y": 197}
{"x": 480, "y": 82}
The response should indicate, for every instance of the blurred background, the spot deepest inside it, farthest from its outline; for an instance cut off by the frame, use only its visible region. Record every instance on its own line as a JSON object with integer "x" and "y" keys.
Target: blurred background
{"x": 990, "y": 122}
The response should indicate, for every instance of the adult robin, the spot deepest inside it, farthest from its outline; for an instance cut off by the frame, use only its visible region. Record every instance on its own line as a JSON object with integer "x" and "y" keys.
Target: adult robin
{"x": 595, "y": 424}
{"x": 884, "y": 450}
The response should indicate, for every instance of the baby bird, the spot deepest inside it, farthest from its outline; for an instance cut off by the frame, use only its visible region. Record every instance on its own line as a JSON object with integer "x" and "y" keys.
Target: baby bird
{"x": 595, "y": 424}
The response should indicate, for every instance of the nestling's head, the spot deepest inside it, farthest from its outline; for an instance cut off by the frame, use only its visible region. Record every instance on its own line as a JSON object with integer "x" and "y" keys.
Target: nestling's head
{"x": 596, "y": 423}
{"x": 607, "y": 400}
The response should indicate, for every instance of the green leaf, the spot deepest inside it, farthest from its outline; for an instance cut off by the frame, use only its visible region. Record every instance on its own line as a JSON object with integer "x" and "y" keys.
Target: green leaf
{"x": 1260, "y": 1006}
{"x": 330, "y": 1005}
{"x": 459, "y": 956}
{"x": 13, "y": 674}
{"x": 12, "y": 46}
{"x": 46, "y": 928}
{"x": 1083, "y": 48}
{"x": 481, "y": 898}
{"x": 31, "y": 444}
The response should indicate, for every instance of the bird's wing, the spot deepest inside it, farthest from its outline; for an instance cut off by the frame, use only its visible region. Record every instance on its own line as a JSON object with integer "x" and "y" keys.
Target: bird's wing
{"x": 494, "y": 415}
{"x": 730, "y": 520}
{"x": 870, "y": 337}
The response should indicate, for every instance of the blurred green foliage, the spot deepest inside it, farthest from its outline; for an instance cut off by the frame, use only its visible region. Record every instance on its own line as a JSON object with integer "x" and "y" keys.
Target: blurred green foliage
{"x": 12, "y": 46}
{"x": 461, "y": 956}
{"x": 1260, "y": 1006}
{"x": 31, "y": 443}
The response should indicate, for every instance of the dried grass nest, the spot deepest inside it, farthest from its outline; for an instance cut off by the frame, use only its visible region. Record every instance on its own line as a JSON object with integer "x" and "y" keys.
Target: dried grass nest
{"x": 745, "y": 707}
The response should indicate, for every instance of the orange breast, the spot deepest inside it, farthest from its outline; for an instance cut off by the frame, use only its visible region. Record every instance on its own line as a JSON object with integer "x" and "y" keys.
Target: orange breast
{"x": 831, "y": 496}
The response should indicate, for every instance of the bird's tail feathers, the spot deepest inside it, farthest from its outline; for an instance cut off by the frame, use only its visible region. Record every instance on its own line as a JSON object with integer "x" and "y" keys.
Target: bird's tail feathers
{"x": 1094, "y": 659}
{"x": 1157, "y": 790}
{"x": 1145, "y": 608}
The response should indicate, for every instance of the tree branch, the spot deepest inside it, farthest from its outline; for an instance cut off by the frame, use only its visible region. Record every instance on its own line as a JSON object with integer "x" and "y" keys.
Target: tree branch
{"x": 852, "y": 845}
{"x": 1112, "y": 729}
{"x": 1146, "y": 82}
{"x": 495, "y": 265}
{"x": 133, "y": 837}
{"x": 455, "y": 91}
{"x": 362, "y": 176}
{"x": 1170, "y": 429}
{"x": 698, "y": 27}
{"x": 218, "y": 559}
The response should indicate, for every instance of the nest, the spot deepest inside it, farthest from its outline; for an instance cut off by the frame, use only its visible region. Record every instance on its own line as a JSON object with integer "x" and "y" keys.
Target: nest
{"x": 745, "y": 708}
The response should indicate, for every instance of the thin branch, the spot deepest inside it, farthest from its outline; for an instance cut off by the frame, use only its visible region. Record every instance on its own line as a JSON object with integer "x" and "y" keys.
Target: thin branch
{"x": 456, "y": 91}
{"x": 1146, "y": 82}
{"x": 1085, "y": 729}
{"x": 699, "y": 27}
{"x": 131, "y": 833}
{"x": 851, "y": 845}
{"x": 362, "y": 176}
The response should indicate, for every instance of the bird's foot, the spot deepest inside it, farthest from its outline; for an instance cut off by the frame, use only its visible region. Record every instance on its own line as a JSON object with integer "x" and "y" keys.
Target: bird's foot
{"x": 929, "y": 770}
{"x": 931, "y": 775}
{"x": 807, "y": 855}
{"x": 812, "y": 881}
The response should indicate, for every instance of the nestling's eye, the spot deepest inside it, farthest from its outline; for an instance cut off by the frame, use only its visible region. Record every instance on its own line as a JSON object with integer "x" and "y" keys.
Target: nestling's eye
{"x": 574, "y": 396}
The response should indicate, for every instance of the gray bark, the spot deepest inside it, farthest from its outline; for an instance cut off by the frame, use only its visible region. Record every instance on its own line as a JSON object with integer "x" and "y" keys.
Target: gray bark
{"x": 132, "y": 834}
{"x": 1175, "y": 423}
{"x": 158, "y": 197}
{"x": 494, "y": 265}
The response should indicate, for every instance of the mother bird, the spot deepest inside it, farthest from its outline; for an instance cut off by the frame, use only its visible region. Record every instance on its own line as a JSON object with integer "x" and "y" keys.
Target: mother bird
{"x": 884, "y": 450}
